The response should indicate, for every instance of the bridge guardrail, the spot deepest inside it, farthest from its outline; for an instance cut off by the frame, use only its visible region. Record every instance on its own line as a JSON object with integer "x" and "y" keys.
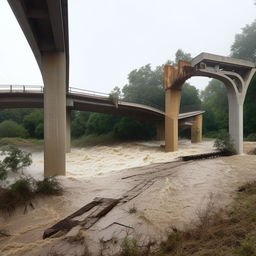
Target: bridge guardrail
{"x": 14, "y": 88}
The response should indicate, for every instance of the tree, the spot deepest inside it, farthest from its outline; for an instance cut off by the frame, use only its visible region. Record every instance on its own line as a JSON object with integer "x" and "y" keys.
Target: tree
{"x": 79, "y": 123}
{"x": 9, "y": 128}
{"x": 215, "y": 104}
{"x": 33, "y": 122}
{"x": 190, "y": 100}
{"x": 180, "y": 55}
{"x": 244, "y": 45}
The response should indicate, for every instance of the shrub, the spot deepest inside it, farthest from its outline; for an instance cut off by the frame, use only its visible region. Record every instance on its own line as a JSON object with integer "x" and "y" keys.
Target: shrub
{"x": 48, "y": 186}
{"x": 224, "y": 143}
{"x": 247, "y": 247}
{"x": 251, "y": 137}
{"x": 10, "y": 128}
{"x": 16, "y": 159}
{"x": 129, "y": 247}
{"x": 19, "y": 193}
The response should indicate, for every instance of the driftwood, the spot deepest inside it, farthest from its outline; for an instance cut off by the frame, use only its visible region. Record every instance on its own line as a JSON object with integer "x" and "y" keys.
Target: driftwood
{"x": 102, "y": 207}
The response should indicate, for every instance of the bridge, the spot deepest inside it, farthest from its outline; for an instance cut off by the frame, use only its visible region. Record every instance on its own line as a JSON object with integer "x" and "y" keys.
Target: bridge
{"x": 24, "y": 96}
{"x": 45, "y": 25}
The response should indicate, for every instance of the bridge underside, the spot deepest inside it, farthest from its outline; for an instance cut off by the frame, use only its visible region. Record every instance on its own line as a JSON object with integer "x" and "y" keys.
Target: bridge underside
{"x": 25, "y": 99}
{"x": 45, "y": 25}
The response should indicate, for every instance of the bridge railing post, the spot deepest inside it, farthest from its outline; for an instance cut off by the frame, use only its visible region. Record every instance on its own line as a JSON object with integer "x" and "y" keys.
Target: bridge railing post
{"x": 10, "y": 88}
{"x": 24, "y": 88}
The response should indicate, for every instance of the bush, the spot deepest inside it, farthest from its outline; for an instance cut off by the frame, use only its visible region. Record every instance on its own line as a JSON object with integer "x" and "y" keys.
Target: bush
{"x": 247, "y": 247}
{"x": 16, "y": 159}
{"x": 19, "y": 193}
{"x": 48, "y": 186}
{"x": 131, "y": 129}
{"x": 10, "y": 128}
{"x": 251, "y": 137}
{"x": 32, "y": 121}
{"x": 224, "y": 143}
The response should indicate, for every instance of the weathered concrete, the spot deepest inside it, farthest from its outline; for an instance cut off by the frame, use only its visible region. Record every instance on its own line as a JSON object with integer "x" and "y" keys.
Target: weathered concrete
{"x": 196, "y": 129}
{"x": 68, "y": 131}
{"x": 172, "y": 102}
{"x": 234, "y": 73}
{"x": 54, "y": 76}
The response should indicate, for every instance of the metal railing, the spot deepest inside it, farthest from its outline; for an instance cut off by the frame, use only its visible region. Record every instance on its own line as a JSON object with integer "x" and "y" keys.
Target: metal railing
{"x": 14, "y": 88}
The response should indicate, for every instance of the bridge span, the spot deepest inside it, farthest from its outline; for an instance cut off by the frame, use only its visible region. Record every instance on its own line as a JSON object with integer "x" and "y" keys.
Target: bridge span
{"x": 24, "y": 96}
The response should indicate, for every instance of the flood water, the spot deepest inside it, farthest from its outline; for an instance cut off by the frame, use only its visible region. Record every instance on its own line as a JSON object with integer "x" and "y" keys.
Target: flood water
{"x": 174, "y": 198}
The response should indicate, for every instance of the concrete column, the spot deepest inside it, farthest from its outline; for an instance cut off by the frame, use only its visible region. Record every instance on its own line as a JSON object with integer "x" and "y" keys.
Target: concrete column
{"x": 196, "y": 129}
{"x": 68, "y": 131}
{"x": 160, "y": 131}
{"x": 172, "y": 109}
{"x": 54, "y": 76}
{"x": 236, "y": 121}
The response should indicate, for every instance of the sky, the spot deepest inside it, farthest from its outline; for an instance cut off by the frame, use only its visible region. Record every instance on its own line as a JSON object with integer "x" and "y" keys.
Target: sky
{"x": 110, "y": 38}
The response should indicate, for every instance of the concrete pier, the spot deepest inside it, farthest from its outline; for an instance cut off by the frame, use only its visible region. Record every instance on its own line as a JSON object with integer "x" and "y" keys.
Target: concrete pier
{"x": 196, "y": 129}
{"x": 54, "y": 76}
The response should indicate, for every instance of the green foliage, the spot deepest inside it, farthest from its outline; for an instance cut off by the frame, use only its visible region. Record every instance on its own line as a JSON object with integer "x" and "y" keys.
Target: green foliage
{"x": 79, "y": 123}
{"x": 16, "y": 115}
{"x": 33, "y": 122}
{"x": 215, "y": 104}
{"x": 19, "y": 193}
{"x": 145, "y": 86}
{"x": 129, "y": 247}
{"x": 129, "y": 129}
{"x": 23, "y": 190}
{"x": 49, "y": 186}
{"x": 16, "y": 159}
{"x": 224, "y": 143}
{"x": 190, "y": 100}
{"x": 100, "y": 123}
{"x": 92, "y": 140}
{"x": 180, "y": 55}
{"x": 23, "y": 186}
{"x": 244, "y": 45}
{"x": 115, "y": 94}
{"x": 9, "y": 128}
{"x": 251, "y": 137}
{"x": 247, "y": 247}
{"x": 250, "y": 108}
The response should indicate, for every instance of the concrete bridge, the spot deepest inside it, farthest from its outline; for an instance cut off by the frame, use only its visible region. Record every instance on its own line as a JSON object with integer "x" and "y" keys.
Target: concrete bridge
{"x": 45, "y": 25}
{"x": 21, "y": 96}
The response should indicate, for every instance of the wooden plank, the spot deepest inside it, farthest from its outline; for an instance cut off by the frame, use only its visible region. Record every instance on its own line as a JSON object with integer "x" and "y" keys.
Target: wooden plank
{"x": 103, "y": 206}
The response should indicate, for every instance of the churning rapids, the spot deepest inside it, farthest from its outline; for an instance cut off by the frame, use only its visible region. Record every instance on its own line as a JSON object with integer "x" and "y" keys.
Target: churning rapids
{"x": 175, "y": 193}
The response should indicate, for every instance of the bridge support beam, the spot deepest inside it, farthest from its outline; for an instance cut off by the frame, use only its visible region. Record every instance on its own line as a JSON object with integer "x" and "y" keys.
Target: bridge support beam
{"x": 235, "y": 121}
{"x": 172, "y": 109}
{"x": 68, "y": 131}
{"x": 196, "y": 129}
{"x": 160, "y": 131}
{"x": 54, "y": 76}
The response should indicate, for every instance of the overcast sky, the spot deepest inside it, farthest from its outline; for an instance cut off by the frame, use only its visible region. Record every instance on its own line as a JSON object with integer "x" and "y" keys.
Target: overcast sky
{"x": 110, "y": 38}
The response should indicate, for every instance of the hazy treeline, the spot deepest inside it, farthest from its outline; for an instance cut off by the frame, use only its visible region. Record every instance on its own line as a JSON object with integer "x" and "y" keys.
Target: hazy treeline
{"x": 145, "y": 86}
